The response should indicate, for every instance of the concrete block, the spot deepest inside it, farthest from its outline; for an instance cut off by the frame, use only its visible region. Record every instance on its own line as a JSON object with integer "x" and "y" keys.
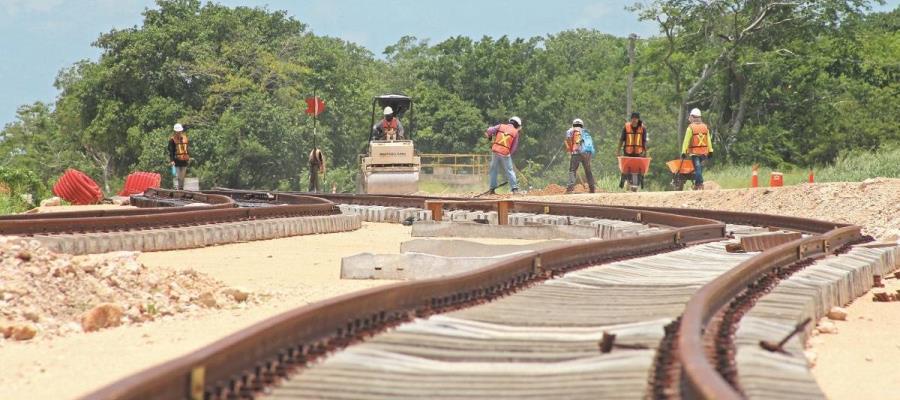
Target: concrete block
{"x": 411, "y": 266}
{"x": 472, "y": 230}
{"x": 457, "y": 247}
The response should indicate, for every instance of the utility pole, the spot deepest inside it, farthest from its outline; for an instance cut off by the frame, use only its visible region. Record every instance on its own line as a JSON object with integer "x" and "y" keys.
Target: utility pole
{"x": 629, "y": 94}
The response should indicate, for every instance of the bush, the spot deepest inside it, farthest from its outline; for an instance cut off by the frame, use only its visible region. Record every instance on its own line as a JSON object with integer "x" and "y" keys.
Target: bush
{"x": 18, "y": 181}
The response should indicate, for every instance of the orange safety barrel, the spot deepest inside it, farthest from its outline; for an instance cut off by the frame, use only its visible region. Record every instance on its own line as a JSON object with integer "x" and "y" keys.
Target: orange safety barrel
{"x": 776, "y": 179}
{"x": 631, "y": 165}
{"x": 679, "y": 166}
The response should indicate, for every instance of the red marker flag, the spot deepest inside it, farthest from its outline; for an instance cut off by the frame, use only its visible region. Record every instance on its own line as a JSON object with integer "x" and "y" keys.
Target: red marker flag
{"x": 314, "y": 106}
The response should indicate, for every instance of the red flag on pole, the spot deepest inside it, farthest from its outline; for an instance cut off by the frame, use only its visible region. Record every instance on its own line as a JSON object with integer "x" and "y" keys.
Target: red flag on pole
{"x": 314, "y": 106}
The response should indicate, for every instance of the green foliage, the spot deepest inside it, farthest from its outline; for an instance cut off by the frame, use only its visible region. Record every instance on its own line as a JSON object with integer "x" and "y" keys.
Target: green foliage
{"x": 858, "y": 165}
{"x": 19, "y": 181}
{"x": 15, "y": 185}
{"x": 808, "y": 83}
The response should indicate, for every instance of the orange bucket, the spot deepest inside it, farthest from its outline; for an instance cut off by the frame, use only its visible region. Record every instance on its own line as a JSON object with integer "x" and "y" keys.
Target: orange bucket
{"x": 776, "y": 179}
{"x": 680, "y": 166}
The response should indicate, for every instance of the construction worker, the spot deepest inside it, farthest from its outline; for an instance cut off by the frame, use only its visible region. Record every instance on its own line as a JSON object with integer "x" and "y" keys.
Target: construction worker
{"x": 504, "y": 142}
{"x": 633, "y": 142}
{"x": 581, "y": 147}
{"x": 178, "y": 154}
{"x": 697, "y": 145}
{"x": 316, "y": 167}
{"x": 388, "y": 128}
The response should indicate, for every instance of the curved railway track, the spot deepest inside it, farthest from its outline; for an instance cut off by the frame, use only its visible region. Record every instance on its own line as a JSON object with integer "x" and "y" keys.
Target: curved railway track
{"x": 166, "y": 209}
{"x": 529, "y": 315}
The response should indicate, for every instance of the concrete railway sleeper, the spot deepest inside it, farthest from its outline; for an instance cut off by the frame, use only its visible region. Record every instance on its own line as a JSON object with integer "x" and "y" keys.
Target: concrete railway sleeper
{"x": 263, "y": 355}
{"x": 507, "y": 329}
{"x": 244, "y": 359}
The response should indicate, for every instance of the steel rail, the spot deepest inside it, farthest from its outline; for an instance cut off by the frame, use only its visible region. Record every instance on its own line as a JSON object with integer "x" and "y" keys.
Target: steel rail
{"x": 702, "y": 378}
{"x": 247, "y": 359}
{"x": 222, "y": 210}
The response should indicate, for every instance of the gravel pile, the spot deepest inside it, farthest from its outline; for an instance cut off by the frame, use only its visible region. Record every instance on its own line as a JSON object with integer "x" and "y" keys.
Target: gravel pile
{"x": 873, "y": 204}
{"x": 45, "y": 294}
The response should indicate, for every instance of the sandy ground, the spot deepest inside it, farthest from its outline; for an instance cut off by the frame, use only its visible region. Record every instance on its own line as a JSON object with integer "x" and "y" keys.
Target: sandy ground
{"x": 855, "y": 363}
{"x": 860, "y": 361}
{"x": 874, "y": 204}
{"x": 291, "y": 272}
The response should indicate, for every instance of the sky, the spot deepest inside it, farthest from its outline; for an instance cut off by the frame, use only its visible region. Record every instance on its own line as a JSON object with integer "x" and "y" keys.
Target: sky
{"x": 38, "y": 38}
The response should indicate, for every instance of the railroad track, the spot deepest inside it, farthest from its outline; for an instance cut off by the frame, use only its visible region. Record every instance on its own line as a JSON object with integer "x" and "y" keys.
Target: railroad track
{"x": 167, "y": 209}
{"x": 526, "y": 326}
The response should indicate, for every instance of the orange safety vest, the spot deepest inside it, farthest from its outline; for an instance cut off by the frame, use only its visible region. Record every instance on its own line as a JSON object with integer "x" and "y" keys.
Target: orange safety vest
{"x": 634, "y": 140}
{"x": 389, "y": 127}
{"x": 181, "y": 147}
{"x": 573, "y": 143}
{"x": 504, "y": 139}
{"x": 699, "y": 139}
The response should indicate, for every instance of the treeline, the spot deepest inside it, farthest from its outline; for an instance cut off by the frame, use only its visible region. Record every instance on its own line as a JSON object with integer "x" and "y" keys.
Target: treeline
{"x": 780, "y": 84}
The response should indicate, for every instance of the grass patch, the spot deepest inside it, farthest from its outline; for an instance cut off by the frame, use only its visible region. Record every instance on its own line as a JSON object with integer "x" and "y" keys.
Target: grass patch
{"x": 12, "y": 204}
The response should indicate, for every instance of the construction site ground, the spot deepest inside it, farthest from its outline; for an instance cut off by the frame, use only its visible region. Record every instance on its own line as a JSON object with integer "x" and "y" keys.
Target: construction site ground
{"x": 278, "y": 274}
{"x": 285, "y": 273}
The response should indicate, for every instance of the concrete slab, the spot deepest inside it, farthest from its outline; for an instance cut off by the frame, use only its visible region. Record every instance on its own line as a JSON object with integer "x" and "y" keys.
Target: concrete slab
{"x": 467, "y": 248}
{"x": 475, "y": 230}
{"x": 412, "y": 266}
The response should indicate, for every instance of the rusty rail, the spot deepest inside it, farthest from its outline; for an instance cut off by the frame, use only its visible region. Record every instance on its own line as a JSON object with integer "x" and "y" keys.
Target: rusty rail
{"x": 221, "y": 210}
{"x": 701, "y": 377}
{"x": 248, "y": 360}
{"x": 244, "y": 360}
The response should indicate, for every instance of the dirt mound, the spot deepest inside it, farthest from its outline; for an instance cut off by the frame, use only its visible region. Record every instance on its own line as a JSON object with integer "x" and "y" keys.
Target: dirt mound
{"x": 55, "y": 294}
{"x": 554, "y": 189}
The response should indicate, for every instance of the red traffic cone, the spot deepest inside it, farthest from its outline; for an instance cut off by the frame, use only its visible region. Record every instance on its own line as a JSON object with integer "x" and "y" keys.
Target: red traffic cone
{"x": 812, "y": 177}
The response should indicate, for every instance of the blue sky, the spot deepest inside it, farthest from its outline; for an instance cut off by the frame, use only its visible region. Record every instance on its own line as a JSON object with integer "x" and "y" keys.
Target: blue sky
{"x": 40, "y": 37}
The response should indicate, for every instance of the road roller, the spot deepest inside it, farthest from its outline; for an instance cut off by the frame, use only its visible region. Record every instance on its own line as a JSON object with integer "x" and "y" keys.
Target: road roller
{"x": 390, "y": 164}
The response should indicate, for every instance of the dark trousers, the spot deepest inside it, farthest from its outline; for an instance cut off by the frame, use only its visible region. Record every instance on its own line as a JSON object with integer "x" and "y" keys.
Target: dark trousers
{"x": 583, "y": 159}
{"x": 314, "y": 178}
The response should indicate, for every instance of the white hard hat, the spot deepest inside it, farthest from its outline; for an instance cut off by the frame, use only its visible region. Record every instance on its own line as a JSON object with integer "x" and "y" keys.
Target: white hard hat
{"x": 178, "y": 128}
{"x": 388, "y": 110}
{"x": 577, "y": 121}
{"x": 517, "y": 120}
{"x": 695, "y": 112}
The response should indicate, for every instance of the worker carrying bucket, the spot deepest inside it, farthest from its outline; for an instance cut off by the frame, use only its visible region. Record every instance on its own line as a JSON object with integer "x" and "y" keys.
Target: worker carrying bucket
{"x": 635, "y": 163}
{"x": 581, "y": 147}
{"x": 697, "y": 146}
{"x": 504, "y": 142}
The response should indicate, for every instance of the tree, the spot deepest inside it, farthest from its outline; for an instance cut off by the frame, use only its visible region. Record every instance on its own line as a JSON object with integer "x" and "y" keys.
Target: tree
{"x": 731, "y": 38}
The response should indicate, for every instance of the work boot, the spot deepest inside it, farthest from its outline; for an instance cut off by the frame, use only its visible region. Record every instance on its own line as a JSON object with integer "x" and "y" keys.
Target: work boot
{"x": 515, "y": 191}
{"x": 698, "y": 186}
{"x": 593, "y": 189}
{"x": 570, "y": 190}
